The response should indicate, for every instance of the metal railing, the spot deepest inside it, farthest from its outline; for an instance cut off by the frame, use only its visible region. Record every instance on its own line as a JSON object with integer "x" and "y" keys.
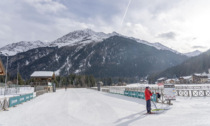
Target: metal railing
{"x": 16, "y": 90}
{"x": 197, "y": 90}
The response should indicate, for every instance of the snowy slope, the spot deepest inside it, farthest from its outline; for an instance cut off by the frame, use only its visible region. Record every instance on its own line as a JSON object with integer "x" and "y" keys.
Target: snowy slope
{"x": 81, "y": 37}
{"x": 157, "y": 45}
{"x": 85, "y": 107}
{"x": 194, "y": 53}
{"x": 23, "y": 46}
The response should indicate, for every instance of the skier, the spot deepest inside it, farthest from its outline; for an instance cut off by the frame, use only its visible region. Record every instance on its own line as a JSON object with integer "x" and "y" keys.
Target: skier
{"x": 148, "y": 94}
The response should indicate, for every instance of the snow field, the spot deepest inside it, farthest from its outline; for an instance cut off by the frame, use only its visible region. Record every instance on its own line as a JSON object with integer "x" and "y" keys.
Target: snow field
{"x": 85, "y": 107}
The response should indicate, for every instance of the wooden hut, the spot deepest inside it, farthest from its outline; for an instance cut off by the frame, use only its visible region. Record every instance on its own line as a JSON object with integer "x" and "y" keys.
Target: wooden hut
{"x": 2, "y": 70}
{"x": 42, "y": 77}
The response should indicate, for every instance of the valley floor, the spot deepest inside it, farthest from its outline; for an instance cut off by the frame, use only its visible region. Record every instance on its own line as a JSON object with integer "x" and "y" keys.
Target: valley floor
{"x": 85, "y": 107}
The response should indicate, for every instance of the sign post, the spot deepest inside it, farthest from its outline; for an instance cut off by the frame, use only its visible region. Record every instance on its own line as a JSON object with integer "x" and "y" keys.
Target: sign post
{"x": 169, "y": 92}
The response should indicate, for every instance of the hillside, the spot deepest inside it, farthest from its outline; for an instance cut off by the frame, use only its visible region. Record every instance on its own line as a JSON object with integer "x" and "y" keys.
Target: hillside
{"x": 197, "y": 64}
{"x": 116, "y": 56}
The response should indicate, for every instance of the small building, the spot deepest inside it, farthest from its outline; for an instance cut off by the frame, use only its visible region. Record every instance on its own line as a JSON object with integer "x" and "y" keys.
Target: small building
{"x": 2, "y": 70}
{"x": 186, "y": 80}
{"x": 143, "y": 81}
{"x": 200, "y": 78}
{"x": 42, "y": 77}
{"x": 161, "y": 80}
{"x": 172, "y": 81}
{"x": 208, "y": 77}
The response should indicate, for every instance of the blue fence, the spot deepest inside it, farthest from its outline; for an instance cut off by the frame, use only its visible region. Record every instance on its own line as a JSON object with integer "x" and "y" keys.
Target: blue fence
{"x": 138, "y": 95}
{"x": 19, "y": 99}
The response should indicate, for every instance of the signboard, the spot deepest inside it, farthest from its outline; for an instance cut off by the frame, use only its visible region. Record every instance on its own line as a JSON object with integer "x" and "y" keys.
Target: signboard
{"x": 169, "y": 92}
{"x": 49, "y": 84}
{"x": 140, "y": 95}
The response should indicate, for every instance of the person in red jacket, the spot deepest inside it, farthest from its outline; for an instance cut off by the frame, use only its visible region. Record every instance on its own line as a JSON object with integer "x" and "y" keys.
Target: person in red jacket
{"x": 148, "y": 94}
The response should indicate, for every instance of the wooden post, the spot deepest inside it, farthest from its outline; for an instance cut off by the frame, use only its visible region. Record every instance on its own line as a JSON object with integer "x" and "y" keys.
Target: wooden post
{"x": 177, "y": 92}
{"x": 162, "y": 96}
{"x": 204, "y": 91}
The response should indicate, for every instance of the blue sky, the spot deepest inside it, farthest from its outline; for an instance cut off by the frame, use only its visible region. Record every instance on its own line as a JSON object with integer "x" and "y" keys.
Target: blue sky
{"x": 182, "y": 25}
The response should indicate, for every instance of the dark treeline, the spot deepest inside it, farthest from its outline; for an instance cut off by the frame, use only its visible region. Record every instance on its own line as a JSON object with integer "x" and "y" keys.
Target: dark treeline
{"x": 13, "y": 80}
{"x": 71, "y": 80}
{"x": 110, "y": 81}
{"x": 74, "y": 80}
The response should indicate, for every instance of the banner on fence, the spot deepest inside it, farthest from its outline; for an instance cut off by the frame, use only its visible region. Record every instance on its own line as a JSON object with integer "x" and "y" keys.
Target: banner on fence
{"x": 169, "y": 92}
{"x": 19, "y": 99}
{"x": 140, "y": 95}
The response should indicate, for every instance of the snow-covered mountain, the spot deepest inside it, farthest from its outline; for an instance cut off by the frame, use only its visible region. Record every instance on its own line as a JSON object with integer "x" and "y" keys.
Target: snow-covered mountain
{"x": 81, "y": 37}
{"x": 194, "y": 53}
{"x": 22, "y": 46}
{"x": 87, "y": 36}
{"x": 113, "y": 57}
{"x": 157, "y": 45}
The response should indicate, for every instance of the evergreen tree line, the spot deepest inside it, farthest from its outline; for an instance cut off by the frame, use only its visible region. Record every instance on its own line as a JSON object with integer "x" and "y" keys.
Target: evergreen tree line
{"x": 74, "y": 80}
{"x": 71, "y": 80}
{"x": 110, "y": 81}
{"x": 13, "y": 80}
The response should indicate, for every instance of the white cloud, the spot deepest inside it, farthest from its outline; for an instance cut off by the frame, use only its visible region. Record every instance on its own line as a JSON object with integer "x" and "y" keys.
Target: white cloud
{"x": 179, "y": 20}
{"x": 46, "y": 6}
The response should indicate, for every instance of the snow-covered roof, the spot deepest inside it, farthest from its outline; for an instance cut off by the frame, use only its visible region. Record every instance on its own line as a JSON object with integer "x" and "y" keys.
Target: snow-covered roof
{"x": 170, "y": 80}
{"x": 42, "y": 74}
{"x": 162, "y": 78}
{"x": 186, "y": 77}
{"x": 201, "y": 75}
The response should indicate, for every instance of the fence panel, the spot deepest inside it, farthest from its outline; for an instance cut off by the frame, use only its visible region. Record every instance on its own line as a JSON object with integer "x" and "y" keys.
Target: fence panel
{"x": 13, "y": 101}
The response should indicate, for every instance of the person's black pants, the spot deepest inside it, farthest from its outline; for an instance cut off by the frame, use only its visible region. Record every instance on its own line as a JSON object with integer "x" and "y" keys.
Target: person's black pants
{"x": 148, "y": 106}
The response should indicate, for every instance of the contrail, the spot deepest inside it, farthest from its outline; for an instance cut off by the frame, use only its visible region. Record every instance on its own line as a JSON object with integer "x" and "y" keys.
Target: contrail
{"x": 126, "y": 11}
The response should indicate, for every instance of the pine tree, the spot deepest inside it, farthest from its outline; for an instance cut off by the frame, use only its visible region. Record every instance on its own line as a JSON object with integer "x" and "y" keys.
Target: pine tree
{"x": 92, "y": 81}
{"x": 20, "y": 80}
{"x": 109, "y": 81}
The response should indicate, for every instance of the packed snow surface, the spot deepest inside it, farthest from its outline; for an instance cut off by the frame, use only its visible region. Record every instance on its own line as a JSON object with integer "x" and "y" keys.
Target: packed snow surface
{"x": 85, "y": 107}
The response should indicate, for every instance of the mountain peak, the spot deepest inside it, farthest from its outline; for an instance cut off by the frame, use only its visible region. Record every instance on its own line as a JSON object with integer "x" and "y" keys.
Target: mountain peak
{"x": 22, "y": 46}
{"x": 194, "y": 53}
{"x": 86, "y": 31}
{"x": 81, "y": 37}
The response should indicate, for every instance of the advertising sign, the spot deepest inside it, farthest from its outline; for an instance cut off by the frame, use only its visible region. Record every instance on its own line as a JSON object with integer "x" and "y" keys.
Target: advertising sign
{"x": 169, "y": 92}
{"x": 19, "y": 99}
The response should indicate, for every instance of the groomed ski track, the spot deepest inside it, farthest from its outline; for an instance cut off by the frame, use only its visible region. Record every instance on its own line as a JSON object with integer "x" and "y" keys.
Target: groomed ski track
{"x": 85, "y": 107}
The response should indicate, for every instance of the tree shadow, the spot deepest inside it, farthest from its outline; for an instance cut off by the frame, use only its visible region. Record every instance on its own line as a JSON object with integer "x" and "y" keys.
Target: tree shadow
{"x": 130, "y": 118}
{"x": 126, "y": 98}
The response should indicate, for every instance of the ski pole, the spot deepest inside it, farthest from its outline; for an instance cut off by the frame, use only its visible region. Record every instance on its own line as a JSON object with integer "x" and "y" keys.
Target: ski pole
{"x": 154, "y": 104}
